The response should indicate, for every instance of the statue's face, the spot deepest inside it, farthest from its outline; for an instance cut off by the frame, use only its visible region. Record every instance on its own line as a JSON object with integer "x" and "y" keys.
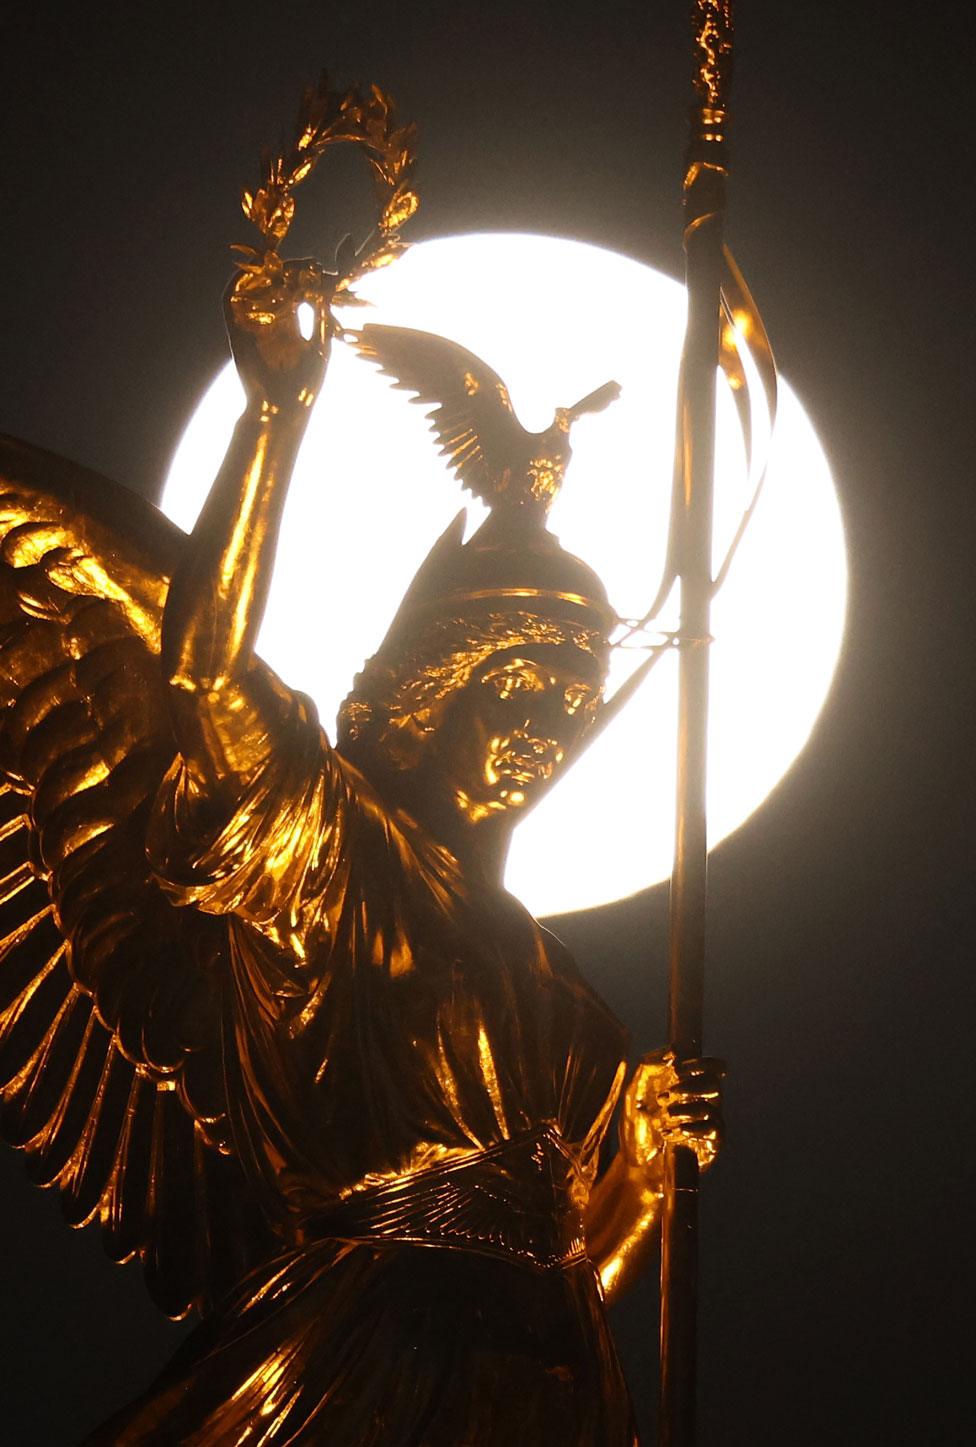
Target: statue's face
{"x": 508, "y": 731}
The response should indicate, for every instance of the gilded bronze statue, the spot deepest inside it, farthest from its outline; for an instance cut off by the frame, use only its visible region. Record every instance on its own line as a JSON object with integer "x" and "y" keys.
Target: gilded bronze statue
{"x": 267, "y": 1013}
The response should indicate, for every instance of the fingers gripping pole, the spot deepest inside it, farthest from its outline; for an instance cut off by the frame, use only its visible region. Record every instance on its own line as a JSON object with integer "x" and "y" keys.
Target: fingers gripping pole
{"x": 704, "y": 199}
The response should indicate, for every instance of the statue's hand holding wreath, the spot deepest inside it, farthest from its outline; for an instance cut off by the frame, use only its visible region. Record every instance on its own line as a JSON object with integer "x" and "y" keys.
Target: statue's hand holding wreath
{"x": 280, "y": 369}
{"x": 672, "y": 1102}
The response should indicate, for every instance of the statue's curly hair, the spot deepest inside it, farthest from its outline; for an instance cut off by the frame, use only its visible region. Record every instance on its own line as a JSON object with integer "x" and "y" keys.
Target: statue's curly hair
{"x": 398, "y": 698}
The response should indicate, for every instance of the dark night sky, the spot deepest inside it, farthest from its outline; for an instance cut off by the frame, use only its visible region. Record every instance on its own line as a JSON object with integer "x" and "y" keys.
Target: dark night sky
{"x": 837, "y": 1227}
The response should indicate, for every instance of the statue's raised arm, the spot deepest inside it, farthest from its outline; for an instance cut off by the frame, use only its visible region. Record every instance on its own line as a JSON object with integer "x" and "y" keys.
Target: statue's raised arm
{"x": 218, "y": 593}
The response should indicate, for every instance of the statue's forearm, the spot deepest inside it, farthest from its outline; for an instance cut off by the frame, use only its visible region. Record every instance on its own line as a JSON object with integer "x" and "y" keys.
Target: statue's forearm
{"x": 623, "y": 1212}
{"x": 217, "y": 597}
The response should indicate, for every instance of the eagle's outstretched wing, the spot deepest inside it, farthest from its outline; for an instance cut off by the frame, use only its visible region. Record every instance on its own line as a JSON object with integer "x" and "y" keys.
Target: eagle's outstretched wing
{"x": 472, "y": 417}
{"x": 110, "y": 998}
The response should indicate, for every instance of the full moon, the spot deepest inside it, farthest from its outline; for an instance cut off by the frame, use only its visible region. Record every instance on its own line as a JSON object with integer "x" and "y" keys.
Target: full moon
{"x": 557, "y": 318}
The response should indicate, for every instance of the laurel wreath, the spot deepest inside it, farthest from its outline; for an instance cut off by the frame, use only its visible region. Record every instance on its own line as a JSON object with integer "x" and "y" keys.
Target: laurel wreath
{"x": 327, "y": 118}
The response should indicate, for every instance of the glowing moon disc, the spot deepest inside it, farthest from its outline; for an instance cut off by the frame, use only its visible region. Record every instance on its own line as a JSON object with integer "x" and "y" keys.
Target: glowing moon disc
{"x": 556, "y": 319}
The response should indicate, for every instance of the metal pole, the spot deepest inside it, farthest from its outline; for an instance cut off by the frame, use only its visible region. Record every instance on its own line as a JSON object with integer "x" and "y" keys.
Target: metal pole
{"x": 704, "y": 202}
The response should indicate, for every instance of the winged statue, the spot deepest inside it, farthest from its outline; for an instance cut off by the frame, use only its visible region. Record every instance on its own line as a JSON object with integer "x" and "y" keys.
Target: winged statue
{"x": 267, "y": 1015}
{"x": 110, "y": 1027}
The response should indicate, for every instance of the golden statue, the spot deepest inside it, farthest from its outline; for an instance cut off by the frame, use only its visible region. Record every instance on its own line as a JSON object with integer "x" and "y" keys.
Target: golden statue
{"x": 267, "y": 1014}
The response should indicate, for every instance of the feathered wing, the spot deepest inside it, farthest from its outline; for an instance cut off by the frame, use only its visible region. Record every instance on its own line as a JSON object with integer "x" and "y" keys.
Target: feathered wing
{"x": 472, "y": 416}
{"x": 110, "y": 998}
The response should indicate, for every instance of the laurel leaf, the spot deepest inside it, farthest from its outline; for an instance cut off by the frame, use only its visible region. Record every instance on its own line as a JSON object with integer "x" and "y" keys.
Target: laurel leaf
{"x": 326, "y": 118}
{"x": 249, "y": 261}
{"x": 402, "y": 205}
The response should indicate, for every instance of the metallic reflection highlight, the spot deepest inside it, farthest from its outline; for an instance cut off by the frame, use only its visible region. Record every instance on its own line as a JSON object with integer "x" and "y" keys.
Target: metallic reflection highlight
{"x": 266, "y": 1012}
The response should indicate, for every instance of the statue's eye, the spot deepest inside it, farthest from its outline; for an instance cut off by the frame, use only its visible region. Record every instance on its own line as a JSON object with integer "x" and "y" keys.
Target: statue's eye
{"x": 575, "y": 698}
{"x": 502, "y": 685}
{"x": 506, "y": 683}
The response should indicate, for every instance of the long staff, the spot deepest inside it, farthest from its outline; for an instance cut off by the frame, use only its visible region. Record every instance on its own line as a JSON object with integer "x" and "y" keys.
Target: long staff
{"x": 704, "y": 205}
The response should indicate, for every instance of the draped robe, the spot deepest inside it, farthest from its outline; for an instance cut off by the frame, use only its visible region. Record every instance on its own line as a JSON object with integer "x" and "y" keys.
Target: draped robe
{"x": 420, "y": 1082}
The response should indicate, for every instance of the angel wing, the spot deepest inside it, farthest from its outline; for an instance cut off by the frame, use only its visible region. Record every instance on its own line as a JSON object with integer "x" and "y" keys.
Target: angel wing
{"x": 110, "y": 998}
{"x": 472, "y": 417}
